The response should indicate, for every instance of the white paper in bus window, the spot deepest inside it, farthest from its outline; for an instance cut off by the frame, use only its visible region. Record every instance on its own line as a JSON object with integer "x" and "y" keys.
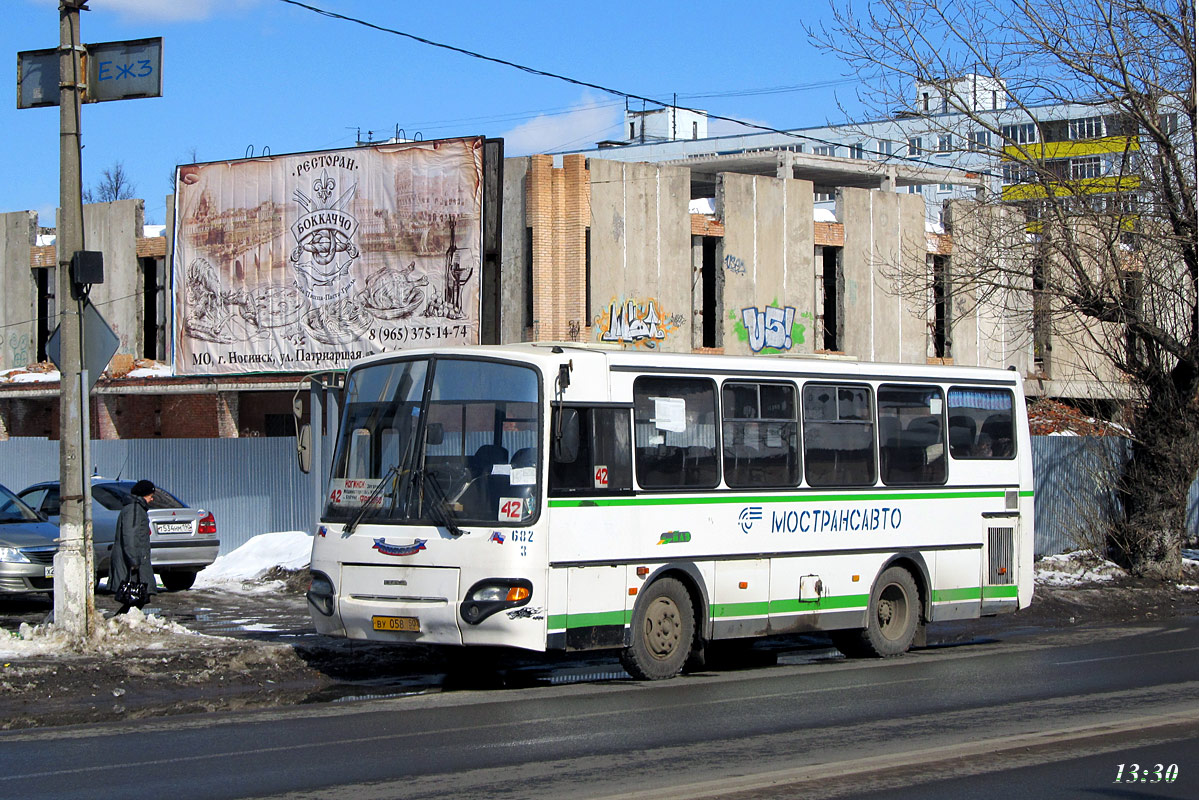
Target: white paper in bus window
{"x": 501, "y": 469}
{"x": 523, "y": 476}
{"x": 934, "y": 406}
{"x": 670, "y": 414}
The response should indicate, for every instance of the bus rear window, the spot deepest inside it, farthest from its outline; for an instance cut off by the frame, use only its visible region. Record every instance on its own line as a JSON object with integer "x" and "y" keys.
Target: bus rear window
{"x": 981, "y": 424}
{"x": 911, "y": 435}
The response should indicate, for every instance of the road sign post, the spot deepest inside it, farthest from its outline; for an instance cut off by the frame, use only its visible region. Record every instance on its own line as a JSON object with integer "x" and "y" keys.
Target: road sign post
{"x": 68, "y": 76}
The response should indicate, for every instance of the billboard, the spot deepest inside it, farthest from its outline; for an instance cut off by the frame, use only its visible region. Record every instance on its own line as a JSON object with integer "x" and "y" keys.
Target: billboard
{"x": 304, "y": 262}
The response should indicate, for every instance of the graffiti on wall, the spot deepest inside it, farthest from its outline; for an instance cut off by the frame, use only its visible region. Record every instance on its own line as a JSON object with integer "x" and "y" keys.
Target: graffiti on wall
{"x": 773, "y": 329}
{"x": 734, "y": 264}
{"x": 641, "y": 324}
{"x": 17, "y": 349}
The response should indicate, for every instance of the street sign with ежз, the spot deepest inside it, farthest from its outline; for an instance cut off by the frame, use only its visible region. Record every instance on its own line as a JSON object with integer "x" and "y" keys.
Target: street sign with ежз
{"x": 113, "y": 70}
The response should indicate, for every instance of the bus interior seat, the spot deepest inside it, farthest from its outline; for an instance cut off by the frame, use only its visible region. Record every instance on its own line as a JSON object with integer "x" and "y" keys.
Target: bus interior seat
{"x": 961, "y": 435}
{"x": 997, "y": 434}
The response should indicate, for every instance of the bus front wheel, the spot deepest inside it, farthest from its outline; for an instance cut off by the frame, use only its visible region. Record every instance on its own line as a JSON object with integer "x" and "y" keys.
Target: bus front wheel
{"x": 663, "y": 632}
{"x": 891, "y": 620}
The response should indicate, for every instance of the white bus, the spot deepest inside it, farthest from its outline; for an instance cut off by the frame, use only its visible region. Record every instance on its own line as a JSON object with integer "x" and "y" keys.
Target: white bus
{"x": 569, "y": 497}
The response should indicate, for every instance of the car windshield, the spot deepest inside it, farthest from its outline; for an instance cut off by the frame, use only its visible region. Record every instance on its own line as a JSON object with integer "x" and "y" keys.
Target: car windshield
{"x": 115, "y": 496}
{"x": 12, "y": 509}
{"x": 443, "y": 440}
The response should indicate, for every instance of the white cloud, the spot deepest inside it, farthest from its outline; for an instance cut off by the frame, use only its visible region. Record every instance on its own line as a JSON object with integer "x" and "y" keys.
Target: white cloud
{"x": 581, "y": 126}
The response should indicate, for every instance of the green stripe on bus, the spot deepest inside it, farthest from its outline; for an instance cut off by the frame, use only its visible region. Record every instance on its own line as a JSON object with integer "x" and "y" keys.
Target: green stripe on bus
{"x": 762, "y": 608}
{"x": 613, "y": 502}
{"x": 588, "y": 620}
{"x": 957, "y": 595}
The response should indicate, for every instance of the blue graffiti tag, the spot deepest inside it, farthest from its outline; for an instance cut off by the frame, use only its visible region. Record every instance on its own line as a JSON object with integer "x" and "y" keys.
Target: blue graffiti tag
{"x": 769, "y": 327}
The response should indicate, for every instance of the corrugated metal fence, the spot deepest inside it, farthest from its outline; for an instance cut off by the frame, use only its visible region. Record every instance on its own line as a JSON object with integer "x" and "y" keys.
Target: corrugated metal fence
{"x": 253, "y": 486}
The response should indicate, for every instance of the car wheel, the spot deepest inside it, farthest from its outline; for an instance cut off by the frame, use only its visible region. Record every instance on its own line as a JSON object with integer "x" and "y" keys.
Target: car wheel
{"x": 176, "y": 581}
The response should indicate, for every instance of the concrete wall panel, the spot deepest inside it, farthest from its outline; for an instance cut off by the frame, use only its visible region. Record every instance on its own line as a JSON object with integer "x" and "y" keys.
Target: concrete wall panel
{"x": 113, "y": 229}
{"x": 640, "y": 255}
{"x": 513, "y": 269}
{"x": 18, "y": 300}
{"x": 768, "y": 264}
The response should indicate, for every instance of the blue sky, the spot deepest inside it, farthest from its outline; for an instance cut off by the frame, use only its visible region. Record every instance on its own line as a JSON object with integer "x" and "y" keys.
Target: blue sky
{"x": 260, "y": 73}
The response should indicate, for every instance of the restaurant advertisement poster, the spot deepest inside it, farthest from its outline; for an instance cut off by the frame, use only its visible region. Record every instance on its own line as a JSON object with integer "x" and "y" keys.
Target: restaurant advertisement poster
{"x": 305, "y": 262}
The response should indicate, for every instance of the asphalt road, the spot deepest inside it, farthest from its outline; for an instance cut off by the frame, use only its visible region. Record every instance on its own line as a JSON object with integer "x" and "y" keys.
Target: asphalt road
{"x": 990, "y": 715}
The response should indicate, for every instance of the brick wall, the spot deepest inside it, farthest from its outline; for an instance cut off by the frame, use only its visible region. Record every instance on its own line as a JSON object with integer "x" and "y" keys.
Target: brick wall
{"x": 559, "y": 212}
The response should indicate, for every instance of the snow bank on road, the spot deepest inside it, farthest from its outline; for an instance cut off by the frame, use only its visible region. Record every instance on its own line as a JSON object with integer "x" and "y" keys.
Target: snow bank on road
{"x": 132, "y": 631}
{"x": 239, "y": 570}
{"x": 1075, "y": 569}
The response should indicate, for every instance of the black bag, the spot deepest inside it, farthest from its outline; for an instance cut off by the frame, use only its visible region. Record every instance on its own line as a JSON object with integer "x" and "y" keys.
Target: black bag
{"x": 131, "y": 593}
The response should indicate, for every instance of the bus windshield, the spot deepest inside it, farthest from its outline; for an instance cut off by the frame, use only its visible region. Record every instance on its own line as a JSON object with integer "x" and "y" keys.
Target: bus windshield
{"x": 438, "y": 441}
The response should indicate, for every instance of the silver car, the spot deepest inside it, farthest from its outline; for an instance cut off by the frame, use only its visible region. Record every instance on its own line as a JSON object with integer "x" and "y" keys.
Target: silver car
{"x": 183, "y": 540}
{"x": 27, "y": 547}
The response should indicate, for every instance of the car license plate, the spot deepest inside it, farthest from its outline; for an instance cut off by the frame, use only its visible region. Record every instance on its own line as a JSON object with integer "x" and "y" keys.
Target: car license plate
{"x": 174, "y": 527}
{"x": 408, "y": 624}
{"x": 50, "y": 571}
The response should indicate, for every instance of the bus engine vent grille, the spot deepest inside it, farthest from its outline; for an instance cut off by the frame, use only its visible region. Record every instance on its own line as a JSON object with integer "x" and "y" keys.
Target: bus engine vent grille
{"x": 1000, "y": 549}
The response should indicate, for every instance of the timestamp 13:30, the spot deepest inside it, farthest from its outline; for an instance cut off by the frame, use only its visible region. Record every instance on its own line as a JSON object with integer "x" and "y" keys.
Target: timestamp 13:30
{"x": 1135, "y": 773}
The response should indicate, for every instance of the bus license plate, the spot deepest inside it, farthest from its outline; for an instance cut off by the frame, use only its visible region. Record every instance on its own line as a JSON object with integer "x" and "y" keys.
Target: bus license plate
{"x": 408, "y": 624}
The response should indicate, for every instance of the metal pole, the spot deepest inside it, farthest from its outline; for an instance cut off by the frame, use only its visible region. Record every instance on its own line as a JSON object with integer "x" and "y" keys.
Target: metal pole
{"x": 74, "y": 602}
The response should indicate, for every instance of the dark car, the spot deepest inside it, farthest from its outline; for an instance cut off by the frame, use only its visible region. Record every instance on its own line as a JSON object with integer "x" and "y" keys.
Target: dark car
{"x": 27, "y": 547}
{"x": 183, "y": 540}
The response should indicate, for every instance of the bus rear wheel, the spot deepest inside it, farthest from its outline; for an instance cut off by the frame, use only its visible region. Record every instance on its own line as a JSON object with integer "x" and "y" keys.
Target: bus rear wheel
{"x": 663, "y": 632}
{"x": 891, "y": 620}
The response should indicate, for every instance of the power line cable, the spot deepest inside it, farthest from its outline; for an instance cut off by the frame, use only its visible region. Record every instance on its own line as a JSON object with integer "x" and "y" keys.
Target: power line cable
{"x": 597, "y": 86}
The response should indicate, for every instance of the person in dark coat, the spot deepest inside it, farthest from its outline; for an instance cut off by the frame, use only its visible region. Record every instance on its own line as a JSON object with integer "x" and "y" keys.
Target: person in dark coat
{"x": 131, "y": 546}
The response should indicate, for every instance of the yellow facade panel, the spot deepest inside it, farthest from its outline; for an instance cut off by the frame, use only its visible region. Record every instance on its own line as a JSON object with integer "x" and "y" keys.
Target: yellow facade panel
{"x": 1071, "y": 149}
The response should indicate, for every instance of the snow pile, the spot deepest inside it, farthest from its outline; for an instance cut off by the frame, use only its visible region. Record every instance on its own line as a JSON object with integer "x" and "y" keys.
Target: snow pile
{"x": 1075, "y": 569}
{"x": 131, "y": 631}
{"x": 156, "y": 371}
{"x": 239, "y": 570}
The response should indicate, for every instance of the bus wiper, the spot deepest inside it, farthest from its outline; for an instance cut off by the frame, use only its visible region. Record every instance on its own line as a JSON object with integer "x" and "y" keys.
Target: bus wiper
{"x": 370, "y": 500}
{"x": 440, "y": 507}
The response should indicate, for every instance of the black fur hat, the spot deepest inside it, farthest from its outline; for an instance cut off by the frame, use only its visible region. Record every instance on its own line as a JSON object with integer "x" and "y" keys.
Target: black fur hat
{"x": 142, "y": 488}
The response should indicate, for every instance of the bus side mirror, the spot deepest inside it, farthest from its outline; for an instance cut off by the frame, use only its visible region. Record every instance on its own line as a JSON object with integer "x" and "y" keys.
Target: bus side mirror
{"x": 304, "y": 448}
{"x": 566, "y": 437}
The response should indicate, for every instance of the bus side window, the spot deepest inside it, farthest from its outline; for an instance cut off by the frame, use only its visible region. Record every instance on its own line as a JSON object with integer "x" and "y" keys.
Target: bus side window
{"x": 760, "y": 435}
{"x": 603, "y": 464}
{"x": 911, "y": 423}
{"x": 674, "y": 433}
{"x": 981, "y": 424}
{"x": 838, "y": 435}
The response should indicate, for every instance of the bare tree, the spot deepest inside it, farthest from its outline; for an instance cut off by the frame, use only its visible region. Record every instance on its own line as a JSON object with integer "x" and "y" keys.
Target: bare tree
{"x": 1102, "y": 255}
{"x": 114, "y": 184}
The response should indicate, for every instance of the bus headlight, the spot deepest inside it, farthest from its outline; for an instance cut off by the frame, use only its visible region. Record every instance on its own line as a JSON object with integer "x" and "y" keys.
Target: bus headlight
{"x": 494, "y": 594}
{"x": 320, "y": 593}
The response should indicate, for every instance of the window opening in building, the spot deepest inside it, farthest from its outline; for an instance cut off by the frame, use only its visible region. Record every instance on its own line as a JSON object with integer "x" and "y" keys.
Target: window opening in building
{"x": 1041, "y": 330}
{"x": 911, "y": 435}
{"x": 674, "y": 433}
{"x": 760, "y": 434}
{"x": 942, "y": 308}
{"x": 828, "y": 298}
{"x": 980, "y": 140}
{"x": 1023, "y": 133}
{"x": 838, "y": 435}
{"x": 694, "y": 130}
{"x": 711, "y": 279}
{"x": 857, "y": 150}
{"x": 1086, "y": 128}
{"x": 945, "y": 143}
{"x": 152, "y": 331}
{"x": 1083, "y": 168}
{"x": 915, "y": 146}
{"x": 587, "y": 276}
{"x": 885, "y": 147}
